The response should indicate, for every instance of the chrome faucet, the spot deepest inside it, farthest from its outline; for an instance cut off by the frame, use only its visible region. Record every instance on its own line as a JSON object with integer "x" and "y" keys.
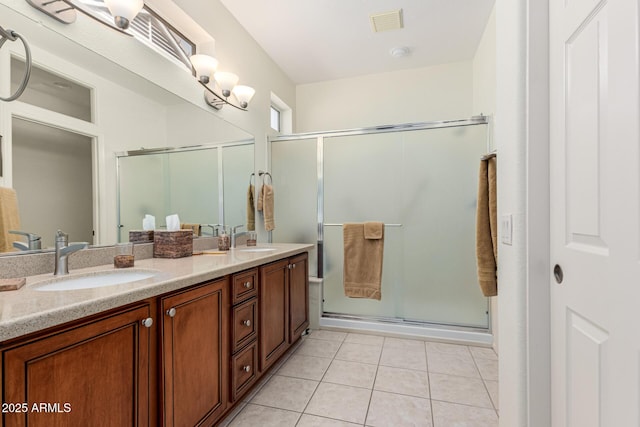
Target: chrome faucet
{"x": 34, "y": 241}
{"x": 63, "y": 250}
{"x": 235, "y": 235}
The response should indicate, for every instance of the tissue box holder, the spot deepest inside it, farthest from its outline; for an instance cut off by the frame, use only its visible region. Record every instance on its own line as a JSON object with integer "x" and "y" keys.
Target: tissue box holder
{"x": 172, "y": 244}
{"x": 141, "y": 236}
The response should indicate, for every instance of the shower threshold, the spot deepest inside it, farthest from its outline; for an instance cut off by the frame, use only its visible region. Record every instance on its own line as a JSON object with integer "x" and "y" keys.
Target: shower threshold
{"x": 408, "y": 329}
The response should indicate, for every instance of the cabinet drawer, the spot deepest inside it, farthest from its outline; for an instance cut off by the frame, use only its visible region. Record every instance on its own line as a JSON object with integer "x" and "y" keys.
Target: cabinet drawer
{"x": 243, "y": 366}
{"x": 244, "y": 286}
{"x": 245, "y": 329}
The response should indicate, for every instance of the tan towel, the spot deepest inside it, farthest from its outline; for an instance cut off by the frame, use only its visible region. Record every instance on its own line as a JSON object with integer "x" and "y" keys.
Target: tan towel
{"x": 373, "y": 230}
{"x": 268, "y": 207}
{"x": 9, "y": 218}
{"x": 486, "y": 228}
{"x": 251, "y": 208}
{"x": 194, "y": 227}
{"x": 362, "y": 263}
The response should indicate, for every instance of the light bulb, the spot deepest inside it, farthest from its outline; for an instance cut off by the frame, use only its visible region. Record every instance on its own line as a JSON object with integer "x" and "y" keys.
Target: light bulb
{"x": 204, "y": 65}
{"x": 124, "y": 11}
{"x": 243, "y": 94}
{"x": 226, "y": 81}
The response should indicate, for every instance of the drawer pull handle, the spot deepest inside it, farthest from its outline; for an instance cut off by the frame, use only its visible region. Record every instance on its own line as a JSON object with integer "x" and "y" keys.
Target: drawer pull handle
{"x": 247, "y": 285}
{"x": 171, "y": 312}
{"x": 147, "y": 322}
{"x": 246, "y": 322}
{"x": 246, "y": 368}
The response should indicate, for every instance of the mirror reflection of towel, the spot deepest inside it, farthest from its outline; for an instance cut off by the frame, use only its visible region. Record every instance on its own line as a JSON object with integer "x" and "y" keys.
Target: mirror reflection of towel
{"x": 9, "y": 218}
{"x": 251, "y": 208}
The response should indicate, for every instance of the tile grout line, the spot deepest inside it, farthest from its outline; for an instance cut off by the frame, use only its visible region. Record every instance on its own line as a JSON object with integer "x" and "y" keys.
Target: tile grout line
{"x": 485, "y": 385}
{"x": 426, "y": 355}
{"x": 373, "y": 387}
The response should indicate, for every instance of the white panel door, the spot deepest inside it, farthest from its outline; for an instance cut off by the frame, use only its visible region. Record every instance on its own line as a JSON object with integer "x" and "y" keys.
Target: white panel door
{"x": 595, "y": 338}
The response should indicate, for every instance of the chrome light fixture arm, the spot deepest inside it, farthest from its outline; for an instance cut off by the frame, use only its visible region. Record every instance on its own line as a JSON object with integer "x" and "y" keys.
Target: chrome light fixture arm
{"x": 215, "y": 100}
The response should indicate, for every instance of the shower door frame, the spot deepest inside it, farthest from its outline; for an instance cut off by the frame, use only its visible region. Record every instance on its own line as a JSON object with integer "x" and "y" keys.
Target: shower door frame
{"x": 465, "y": 332}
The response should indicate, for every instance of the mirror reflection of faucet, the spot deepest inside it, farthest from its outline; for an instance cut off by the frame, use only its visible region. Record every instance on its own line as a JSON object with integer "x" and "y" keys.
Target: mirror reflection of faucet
{"x": 34, "y": 241}
{"x": 63, "y": 250}
{"x": 235, "y": 234}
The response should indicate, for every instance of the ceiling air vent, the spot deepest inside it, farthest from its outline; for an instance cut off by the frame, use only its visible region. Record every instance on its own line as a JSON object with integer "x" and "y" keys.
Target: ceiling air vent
{"x": 386, "y": 21}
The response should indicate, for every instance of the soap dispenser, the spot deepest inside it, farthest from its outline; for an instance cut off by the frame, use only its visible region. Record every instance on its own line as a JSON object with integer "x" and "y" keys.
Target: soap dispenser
{"x": 224, "y": 240}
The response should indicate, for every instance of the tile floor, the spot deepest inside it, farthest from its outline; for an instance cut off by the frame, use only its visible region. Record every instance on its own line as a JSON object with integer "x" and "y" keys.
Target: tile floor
{"x": 346, "y": 379}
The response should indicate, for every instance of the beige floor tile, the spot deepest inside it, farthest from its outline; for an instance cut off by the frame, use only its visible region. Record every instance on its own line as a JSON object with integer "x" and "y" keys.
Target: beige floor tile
{"x": 351, "y": 373}
{"x": 255, "y": 415}
{"x": 256, "y": 388}
{"x": 399, "y": 357}
{"x": 388, "y": 409}
{"x": 492, "y": 386}
{"x": 307, "y": 367}
{"x": 340, "y": 402}
{"x": 361, "y": 353}
{"x": 402, "y": 381}
{"x": 464, "y": 390}
{"x": 312, "y": 421}
{"x": 453, "y": 415}
{"x": 318, "y": 348}
{"x": 403, "y": 343}
{"x": 483, "y": 353}
{"x": 286, "y": 393}
{"x": 364, "y": 339}
{"x": 488, "y": 369}
{"x": 452, "y": 364}
{"x": 440, "y": 347}
{"x": 327, "y": 335}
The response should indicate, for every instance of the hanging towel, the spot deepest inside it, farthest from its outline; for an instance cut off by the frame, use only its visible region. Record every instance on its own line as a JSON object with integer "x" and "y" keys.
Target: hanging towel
{"x": 362, "y": 262}
{"x": 251, "y": 208}
{"x": 9, "y": 218}
{"x": 373, "y": 230}
{"x": 268, "y": 206}
{"x": 486, "y": 228}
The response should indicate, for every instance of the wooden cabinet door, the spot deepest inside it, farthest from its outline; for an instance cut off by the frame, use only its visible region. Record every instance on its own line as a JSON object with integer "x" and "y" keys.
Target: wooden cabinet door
{"x": 273, "y": 312}
{"x": 93, "y": 374}
{"x": 298, "y": 296}
{"x": 195, "y": 354}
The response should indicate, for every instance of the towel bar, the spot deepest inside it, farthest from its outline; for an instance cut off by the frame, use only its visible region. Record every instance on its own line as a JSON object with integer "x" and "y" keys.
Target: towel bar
{"x": 340, "y": 225}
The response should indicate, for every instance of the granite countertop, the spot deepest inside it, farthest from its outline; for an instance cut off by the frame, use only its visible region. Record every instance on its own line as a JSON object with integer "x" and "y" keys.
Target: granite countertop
{"x": 27, "y": 310}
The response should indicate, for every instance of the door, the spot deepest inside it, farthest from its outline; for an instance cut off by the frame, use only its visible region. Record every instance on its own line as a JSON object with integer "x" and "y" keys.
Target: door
{"x": 594, "y": 213}
{"x": 273, "y": 312}
{"x": 82, "y": 376}
{"x": 195, "y": 354}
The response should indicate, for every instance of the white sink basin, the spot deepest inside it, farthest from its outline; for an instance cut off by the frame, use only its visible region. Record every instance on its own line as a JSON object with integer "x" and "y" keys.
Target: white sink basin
{"x": 257, "y": 250}
{"x": 96, "y": 279}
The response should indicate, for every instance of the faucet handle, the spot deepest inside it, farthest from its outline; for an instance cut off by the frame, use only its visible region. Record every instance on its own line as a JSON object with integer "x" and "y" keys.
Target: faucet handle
{"x": 62, "y": 237}
{"x": 234, "y": 229}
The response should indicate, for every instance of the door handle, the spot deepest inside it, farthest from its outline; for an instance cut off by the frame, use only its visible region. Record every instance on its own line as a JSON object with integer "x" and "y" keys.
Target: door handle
{"x": 558, "y": 273}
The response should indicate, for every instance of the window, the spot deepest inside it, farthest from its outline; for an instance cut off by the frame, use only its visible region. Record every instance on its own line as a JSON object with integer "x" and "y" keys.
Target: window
{"x": 275, "y": 119}
{"x": 148, "y": 28}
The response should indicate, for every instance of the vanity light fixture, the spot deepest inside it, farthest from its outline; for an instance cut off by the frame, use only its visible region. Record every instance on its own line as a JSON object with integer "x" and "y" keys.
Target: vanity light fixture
{"x": 124, "y": 12}
{"x": 225, "y": 82}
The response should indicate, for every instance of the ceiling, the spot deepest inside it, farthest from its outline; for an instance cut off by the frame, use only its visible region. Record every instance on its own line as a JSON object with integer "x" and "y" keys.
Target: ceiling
{"x": 318, "y": 40}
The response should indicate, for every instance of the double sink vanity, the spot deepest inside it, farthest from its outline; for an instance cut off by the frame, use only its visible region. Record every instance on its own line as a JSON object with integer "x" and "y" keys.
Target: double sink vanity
{"x": 172, "y": 342}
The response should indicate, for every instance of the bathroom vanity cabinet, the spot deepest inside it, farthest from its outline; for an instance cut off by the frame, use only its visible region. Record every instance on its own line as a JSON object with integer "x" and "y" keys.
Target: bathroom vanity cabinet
{"x": 284, "y": 306}
{"x": 83, "y": 374}
{"x": 182, "y": 358}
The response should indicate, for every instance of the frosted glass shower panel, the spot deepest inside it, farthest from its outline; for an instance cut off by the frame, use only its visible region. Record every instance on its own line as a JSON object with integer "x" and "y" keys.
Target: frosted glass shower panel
{"x": 362, "y": 175}
{"x": 295, "y": 180}
{"x": 193, "y": 203}
{"x": 439, "y": 196}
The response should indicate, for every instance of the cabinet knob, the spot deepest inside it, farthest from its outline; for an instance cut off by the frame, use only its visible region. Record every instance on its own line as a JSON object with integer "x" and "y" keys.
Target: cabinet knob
{"x": 171, "y": 312}
{"x": 289, "y": 266}
{"x": 246, "y": 368}
{"x": 246, "y": 322}
{"x": 294, "y": 266}
{"x": 247, "y": 285}
{"x": 147, "y": 322}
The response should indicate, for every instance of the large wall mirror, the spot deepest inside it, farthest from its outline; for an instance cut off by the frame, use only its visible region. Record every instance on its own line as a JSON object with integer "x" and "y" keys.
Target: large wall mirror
{"x": 86, "y": 146}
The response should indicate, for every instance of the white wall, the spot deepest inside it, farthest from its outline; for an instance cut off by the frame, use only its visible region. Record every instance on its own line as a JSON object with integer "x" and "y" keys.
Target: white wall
{"x": 484, "y": 102}
{"x": 441, "y": 92}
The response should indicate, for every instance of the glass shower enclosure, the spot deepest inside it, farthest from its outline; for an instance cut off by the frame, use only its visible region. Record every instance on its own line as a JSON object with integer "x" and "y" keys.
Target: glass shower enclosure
{"x": 421, "y": 181}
